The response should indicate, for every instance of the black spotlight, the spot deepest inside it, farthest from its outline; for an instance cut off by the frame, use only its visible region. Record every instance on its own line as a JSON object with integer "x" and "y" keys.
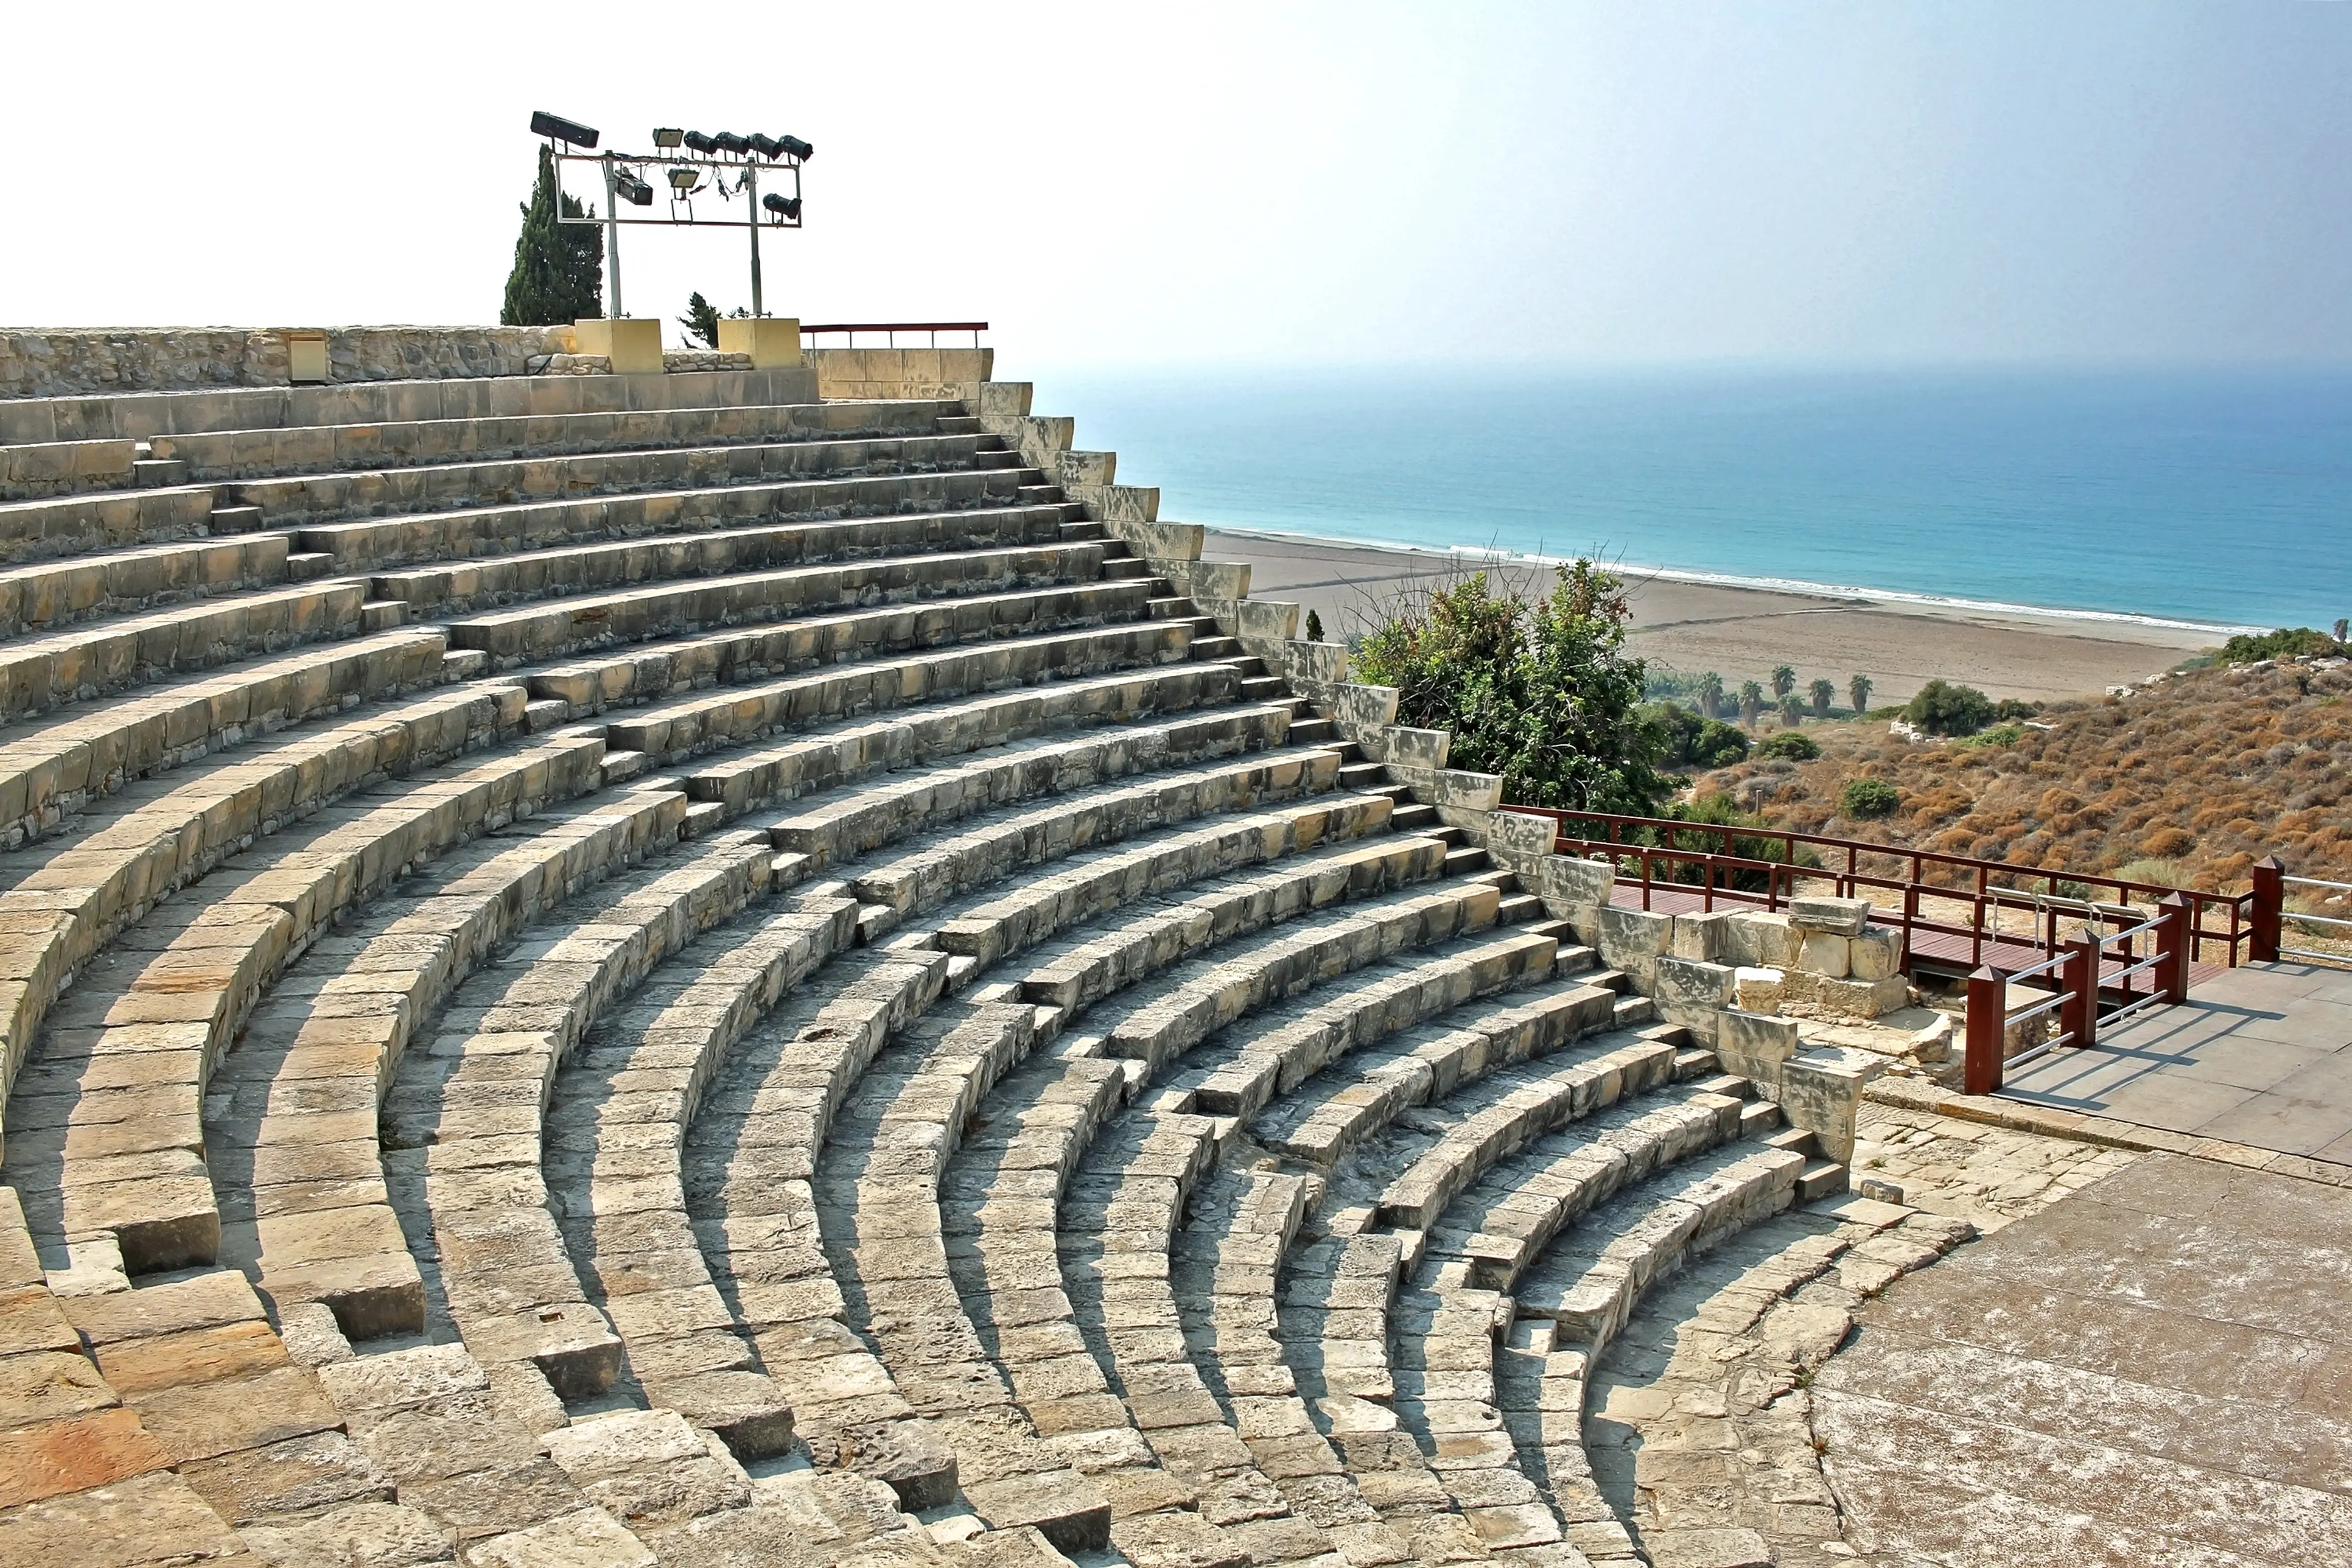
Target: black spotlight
{"x": 785, "y": 207}
{"x": 765, "y": 145}
{"x": 545, "y": 124}
{"x": 697, "y": 141}
{"x": 633, "y": 190}
{"x": 728, "y": 142}
{"x": 796, "y": 147}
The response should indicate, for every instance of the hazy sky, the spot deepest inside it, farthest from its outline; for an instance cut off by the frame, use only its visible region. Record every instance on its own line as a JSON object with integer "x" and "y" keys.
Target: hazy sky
{"x": 1867, "y": 180}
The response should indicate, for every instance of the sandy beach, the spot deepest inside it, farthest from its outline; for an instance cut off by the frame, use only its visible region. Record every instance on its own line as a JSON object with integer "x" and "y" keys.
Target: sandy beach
{"x": 1742, "y": 632}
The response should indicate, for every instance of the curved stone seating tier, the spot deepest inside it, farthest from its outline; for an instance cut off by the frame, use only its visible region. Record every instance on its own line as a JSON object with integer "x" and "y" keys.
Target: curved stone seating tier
{"x": 330, "y": 1038}
{"x": 592, "y": 620}
{"x": 271, "y": 451}
{"x": 76, "y": 521}
{"x": 480, "y": 582}
{"x": 64, "y": 901}
{"x": 41, "y": 673}
{"x": 1041, "y": 633}
{"x": 115, "y": 1148}
{"x": 50, "y": 593}
{"x": 47, "y": 771}
{"x": 375, "y": 544}
{"x": 362, "y": 491}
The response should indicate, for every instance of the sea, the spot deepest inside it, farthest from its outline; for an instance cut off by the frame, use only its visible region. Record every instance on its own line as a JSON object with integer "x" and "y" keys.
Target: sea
{"x": 2216, "y": 498}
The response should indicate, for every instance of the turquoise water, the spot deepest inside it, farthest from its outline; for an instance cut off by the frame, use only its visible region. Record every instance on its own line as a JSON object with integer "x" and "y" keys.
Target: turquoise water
{"x": 2217, "y": 497}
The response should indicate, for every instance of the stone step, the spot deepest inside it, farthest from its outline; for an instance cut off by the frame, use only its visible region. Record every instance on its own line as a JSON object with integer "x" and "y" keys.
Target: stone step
{"x": 377, "y": 544}
{"x": 46, "y": 595}
{"x": 155, "y": 1199}
{"x": 481, "y": 582}
{"x": 72, "y": 524}
{"x": 554, "y": 628}
{"x": 36, "y": 470}
{"x": 280, "y": 450}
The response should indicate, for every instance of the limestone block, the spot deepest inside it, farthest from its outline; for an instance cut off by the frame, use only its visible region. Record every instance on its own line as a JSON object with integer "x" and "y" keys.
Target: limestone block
{"x": 1763, "y": 941}
{"x": 1823, "y": 953}
{"x": 1566, "y": 882}
{"x": 1755, "y": 990}
{"x": 1821, "y": 1092}
{"x": 1874, "y": 954}
{"x": 1631, "y": 940}
{"x": 1683, "y": 983}
{"x": 631, "y": 342}
{"x": 1839, "y": 917}
{"x": 1755, "y": 1046}
{"x": 1703, "y": 937}
{"x": 1861, "y": 998}
{"x": 773, "y": 341}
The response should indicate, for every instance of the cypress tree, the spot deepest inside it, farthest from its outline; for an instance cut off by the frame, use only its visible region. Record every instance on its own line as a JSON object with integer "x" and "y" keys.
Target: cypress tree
{"x": 559, "y": 269}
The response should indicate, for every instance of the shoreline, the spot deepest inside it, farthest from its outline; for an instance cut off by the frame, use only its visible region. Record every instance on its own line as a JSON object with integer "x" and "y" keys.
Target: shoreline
{"x": 1693, "y": 621}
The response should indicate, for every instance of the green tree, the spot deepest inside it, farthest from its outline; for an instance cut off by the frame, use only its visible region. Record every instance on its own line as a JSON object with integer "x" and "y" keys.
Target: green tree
{"x": 1784, "y": 680}
{"x": 1790, "y": 746}
{"x": 1751, "y": 703}
{"x": 1824, "y": 693}
{"x": 1693, "y": 742}
{"x": 1314, "y": 627}
{"x": 1941, "y": 708}
{"x": 1710, "y": 696}
{"x": 559, "y": 269}
{"x": 701, "y": 318}
{"x": 1858, "y": 688}
{"x": 1538, "y": 689}
{"x": 1792, "y": 710}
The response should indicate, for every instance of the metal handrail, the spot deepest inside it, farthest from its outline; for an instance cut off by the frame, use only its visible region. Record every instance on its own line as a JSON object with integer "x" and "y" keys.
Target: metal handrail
{"x": 2332, "y": 922}
{"x": 2081, "y": 973}
{"x": 894, "y": 328}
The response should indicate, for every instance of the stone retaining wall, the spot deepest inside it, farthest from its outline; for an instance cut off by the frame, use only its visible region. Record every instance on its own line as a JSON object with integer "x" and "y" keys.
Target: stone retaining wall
{"x": 901, "y": 373}
{"x": 81, "y": 361}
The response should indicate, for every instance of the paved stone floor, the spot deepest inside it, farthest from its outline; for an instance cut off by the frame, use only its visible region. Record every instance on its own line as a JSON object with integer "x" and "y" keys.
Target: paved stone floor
{"x": 2260, "y": 1055}
{"x": 2155, "y": 1371}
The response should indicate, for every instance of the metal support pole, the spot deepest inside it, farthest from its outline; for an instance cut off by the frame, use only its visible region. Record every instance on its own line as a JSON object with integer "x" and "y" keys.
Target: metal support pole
{"x": 752, "y": 191}
{"x": 1987, "y": 1022}
{"x": 612, "y": 231}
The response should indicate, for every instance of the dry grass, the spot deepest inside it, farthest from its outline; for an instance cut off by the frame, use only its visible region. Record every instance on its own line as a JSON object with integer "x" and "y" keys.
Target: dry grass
{"x": 2206, "y": 772}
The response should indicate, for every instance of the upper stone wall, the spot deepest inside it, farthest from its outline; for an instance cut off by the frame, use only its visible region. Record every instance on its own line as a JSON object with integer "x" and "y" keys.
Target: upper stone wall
{"x": 76, "y": 362}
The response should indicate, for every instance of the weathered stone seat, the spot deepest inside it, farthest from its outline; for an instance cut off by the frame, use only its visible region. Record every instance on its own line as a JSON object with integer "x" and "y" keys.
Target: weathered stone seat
{"x": 553, "y": 628}
{"x": 270, "y": 451}
{"x": 74, "y": 521}
{"x": 49, "y": 770}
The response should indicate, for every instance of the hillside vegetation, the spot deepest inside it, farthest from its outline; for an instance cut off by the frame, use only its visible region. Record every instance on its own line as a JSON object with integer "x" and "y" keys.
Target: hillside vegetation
{"x": 2187, "y": 781}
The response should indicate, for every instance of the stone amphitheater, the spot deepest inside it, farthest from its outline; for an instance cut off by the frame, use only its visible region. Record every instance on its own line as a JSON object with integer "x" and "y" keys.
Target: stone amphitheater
{"x": 760, "y": 967}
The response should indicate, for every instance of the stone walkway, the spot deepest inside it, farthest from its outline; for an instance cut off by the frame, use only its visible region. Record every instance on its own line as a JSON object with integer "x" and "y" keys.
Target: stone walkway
{"x": 2157, "y": 1370}
{"x": 2260, "y": 1055}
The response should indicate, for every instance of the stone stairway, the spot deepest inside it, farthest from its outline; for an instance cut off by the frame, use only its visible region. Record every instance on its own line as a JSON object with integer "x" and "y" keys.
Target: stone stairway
{"x": 632, "y": 970}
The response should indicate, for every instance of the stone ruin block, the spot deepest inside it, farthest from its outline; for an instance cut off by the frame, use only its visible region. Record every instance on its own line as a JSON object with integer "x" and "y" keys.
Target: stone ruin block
{"x": 1756, "y": 990}
{"x": 1838, "y": 917}
{"x": 1824, "y": 954}
{"x": 1705, "y": 938}
{"x": 1631, "y": 940}
{"x": 1763, "y": 941}
{"x": 1691, "y": 993}
{"x": 1862, "y": 999}
{"x": 1874, "y": 954}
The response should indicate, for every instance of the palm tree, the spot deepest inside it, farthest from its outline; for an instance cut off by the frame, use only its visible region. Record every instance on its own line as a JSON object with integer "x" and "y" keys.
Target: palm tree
{"x": 1859, "y": 690}
{"x": 1784, "y": 680}
{"x": 1792, "y": 710}
{"x": 1751, "y": 703}
{"x": 1824, "y": 693}
{"x": 1710, "y": 696}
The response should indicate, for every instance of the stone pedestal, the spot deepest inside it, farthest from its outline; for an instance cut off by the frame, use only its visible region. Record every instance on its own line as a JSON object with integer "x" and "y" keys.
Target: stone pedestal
{"x": 773, "y": 341}
{"x": 633, "y": 344}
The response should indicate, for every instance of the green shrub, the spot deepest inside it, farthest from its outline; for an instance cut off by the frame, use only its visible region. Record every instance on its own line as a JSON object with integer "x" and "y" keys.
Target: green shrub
{"x": 1722, "y": 811}
{"x": 1941, "y": 708}
{"x": 2299, "y": 642}
{"x": 2152, "y": 870}
{"x": 2015, "y": 708}
{"x": 1998, "y": 735}
{"x": 1867, "y": 798}
{"x": 1537, "y": 688}
{"x": 1691, "y": 742}
{"x": 1790, "y": 746}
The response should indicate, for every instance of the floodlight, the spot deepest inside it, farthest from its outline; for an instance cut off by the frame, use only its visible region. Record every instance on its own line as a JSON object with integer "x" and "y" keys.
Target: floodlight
{"x": 767, "y": 146}
{"x": 785, "y": 207}
{"x": 667, "y": 136}
{"x": 697, "y": 141}
{"x": 796, "y": 148}
{"x": 681, "y": 179}
{"x": 571, "y": 131}
{"x": 631, "y": 189}
{"x": 728, "y": 142}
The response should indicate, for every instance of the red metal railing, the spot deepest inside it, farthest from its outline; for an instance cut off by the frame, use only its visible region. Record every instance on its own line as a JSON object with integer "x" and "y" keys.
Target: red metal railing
{"x": 1921, "y": 893}
{"x": 2080, "y": 973}
{"x": 851, "y": 329}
